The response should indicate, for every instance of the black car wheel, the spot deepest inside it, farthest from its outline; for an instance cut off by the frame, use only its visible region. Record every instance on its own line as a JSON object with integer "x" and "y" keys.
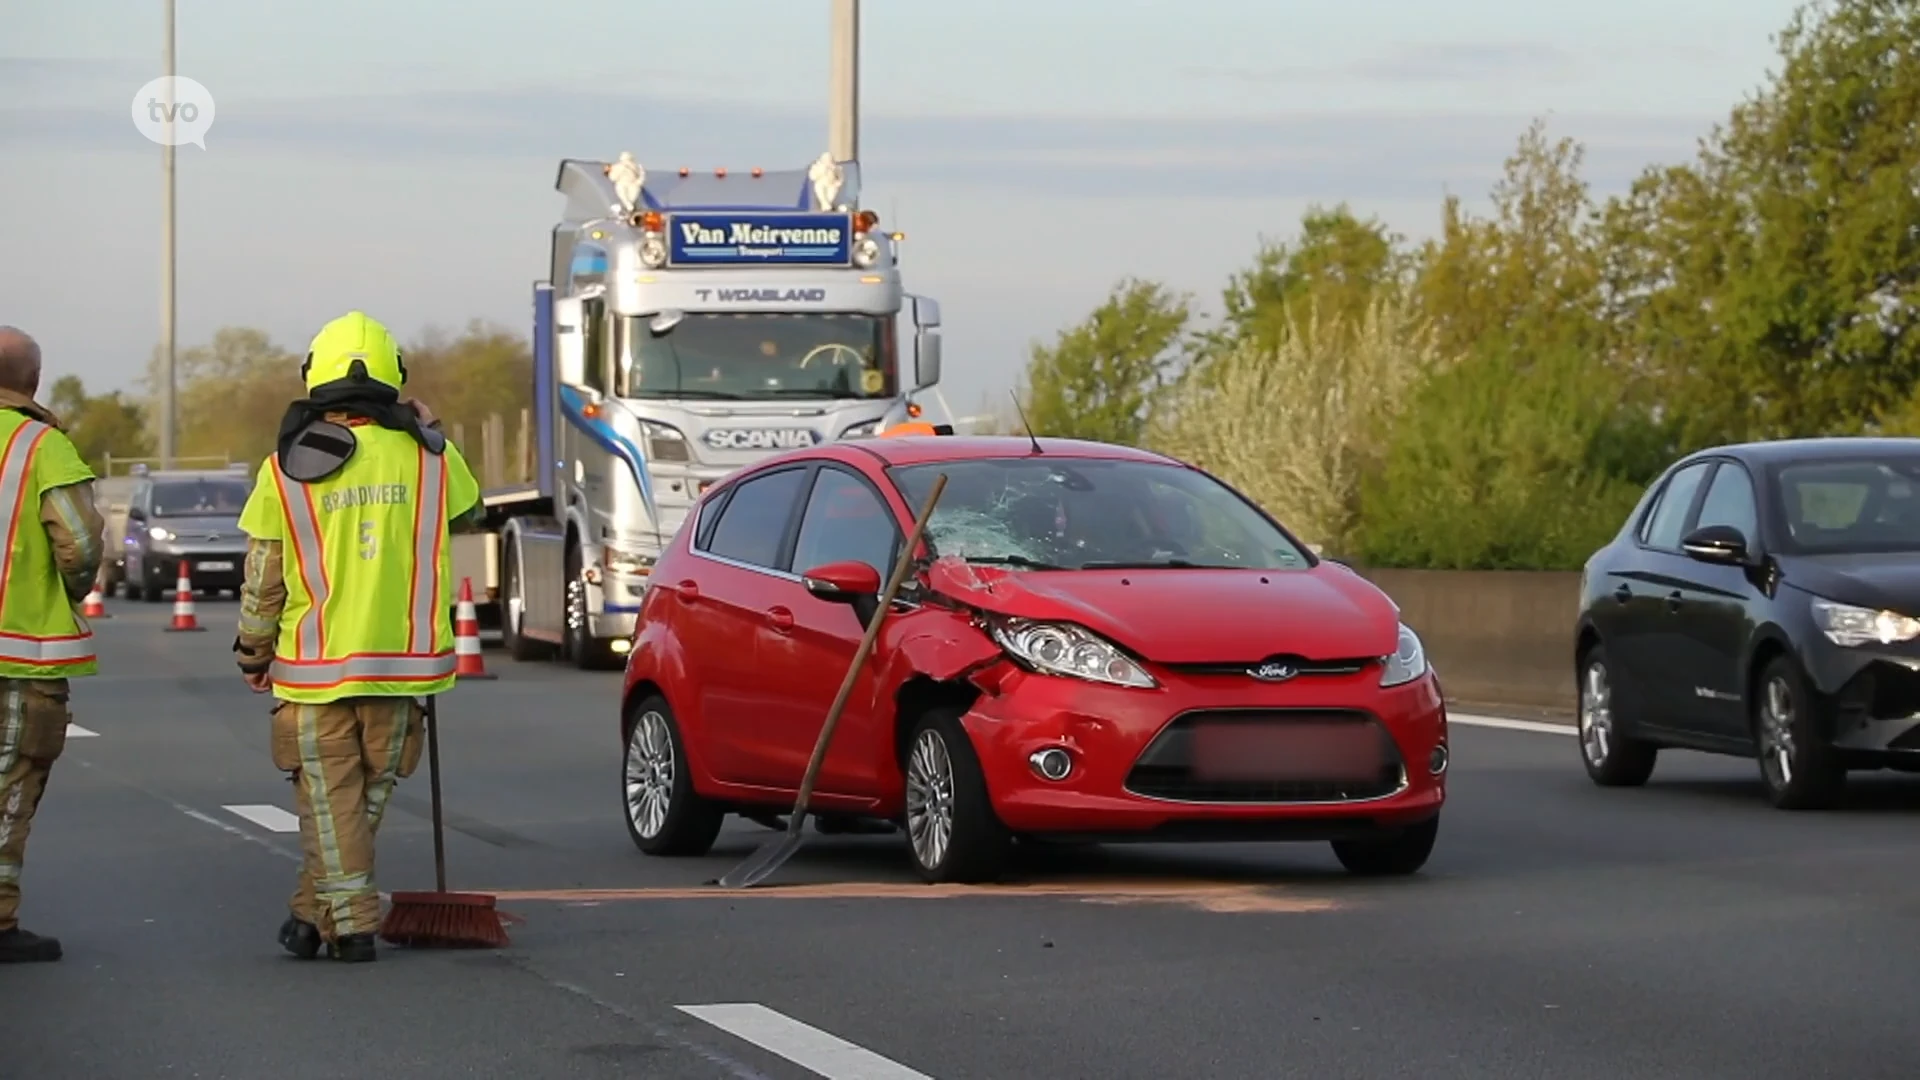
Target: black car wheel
{"x": 952, "y": 831}
{"x": 665, "y": 815}
{"x": 1392, "y": 854}
{"x": 1612, "y": 759}
{"x": 1797, "y": 765}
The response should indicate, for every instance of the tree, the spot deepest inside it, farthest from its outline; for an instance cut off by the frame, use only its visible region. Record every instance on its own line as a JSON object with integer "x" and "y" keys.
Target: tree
{"x": 101, "y": 427}
{"x": 1339, "y": 264}
{"x": 1099, "y": 379}
{"x": 231, "y": 394}
{"x": 1298, "y": 423}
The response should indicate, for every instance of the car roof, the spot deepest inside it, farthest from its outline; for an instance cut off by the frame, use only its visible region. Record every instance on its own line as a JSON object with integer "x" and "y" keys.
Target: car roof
{"x": 926, "y": 449}
{"x": 1825, "y": 448}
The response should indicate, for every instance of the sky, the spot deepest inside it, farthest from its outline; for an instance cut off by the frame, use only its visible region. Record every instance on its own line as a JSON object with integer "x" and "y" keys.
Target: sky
{"x": 400, "y": 157}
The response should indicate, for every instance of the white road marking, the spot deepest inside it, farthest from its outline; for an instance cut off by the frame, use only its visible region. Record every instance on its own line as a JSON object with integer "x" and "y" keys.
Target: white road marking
{"x": 1502, "y": 722}
{"x": 808, "y": 1047}
{"x": 75, "y": 731}
{"x": 270, "y": 818}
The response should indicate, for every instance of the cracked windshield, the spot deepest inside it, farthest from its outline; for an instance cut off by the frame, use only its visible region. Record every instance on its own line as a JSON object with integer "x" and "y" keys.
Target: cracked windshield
{"x": 1076, "y": 514}
{"x": 764, "y": 357}
{"x": 199, "y": 498}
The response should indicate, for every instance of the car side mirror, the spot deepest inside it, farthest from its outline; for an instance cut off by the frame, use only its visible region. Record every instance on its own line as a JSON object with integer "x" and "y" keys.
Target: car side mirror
{"x": 1716, "y": 544}
{"x": 135, "y": 514}
{"x": 851, "y": 582}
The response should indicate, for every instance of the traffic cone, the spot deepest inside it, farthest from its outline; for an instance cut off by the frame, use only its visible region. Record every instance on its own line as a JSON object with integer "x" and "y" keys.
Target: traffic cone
{"x": 95, "y": 605}
{"x": 468, "y": 663}
{"x": 183, "y": 616}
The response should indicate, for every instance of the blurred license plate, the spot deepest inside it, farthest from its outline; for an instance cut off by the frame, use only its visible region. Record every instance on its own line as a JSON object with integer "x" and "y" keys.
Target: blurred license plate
{"x": 216, "y": 564}
{"x": 1295, "y": 750}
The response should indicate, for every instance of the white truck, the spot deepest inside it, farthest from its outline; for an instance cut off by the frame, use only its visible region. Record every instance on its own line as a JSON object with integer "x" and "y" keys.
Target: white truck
{"x": 692, "y": 323}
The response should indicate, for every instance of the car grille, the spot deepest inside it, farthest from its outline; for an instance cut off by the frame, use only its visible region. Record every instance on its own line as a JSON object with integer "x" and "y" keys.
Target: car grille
{"x": 1304, "y": 668}
{"x": 1270, "y": 756}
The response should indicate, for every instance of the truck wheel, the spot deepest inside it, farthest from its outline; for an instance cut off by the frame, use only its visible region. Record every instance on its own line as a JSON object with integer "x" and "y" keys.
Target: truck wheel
{"x": 513, "y": 609}
{"x": 586, "y": 653}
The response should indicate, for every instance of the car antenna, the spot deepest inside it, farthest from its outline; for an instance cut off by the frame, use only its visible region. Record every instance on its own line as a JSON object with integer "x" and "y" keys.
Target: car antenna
{"x": 1023, "y": 422}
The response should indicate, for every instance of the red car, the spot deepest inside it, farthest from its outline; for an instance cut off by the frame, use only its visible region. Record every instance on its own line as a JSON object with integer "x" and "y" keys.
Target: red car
{"x": 1096, "y": 644}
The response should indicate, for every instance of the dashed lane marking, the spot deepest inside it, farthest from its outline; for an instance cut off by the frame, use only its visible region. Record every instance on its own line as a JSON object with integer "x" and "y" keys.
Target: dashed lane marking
{"x": 270, "y": 818}
{"x": 1206, "y": 896}
{"x": 810, "y": 1048}
{"x": 75, "y": 731}
{"x": 1505, "y": 724}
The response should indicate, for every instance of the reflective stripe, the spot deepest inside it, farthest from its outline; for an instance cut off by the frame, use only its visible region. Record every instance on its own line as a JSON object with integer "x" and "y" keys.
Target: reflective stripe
{"x": 15, "y": 466}
{"x": 363, "y": 667}
{"x": 427, "y": 513}
{"x": 309, "y": 562}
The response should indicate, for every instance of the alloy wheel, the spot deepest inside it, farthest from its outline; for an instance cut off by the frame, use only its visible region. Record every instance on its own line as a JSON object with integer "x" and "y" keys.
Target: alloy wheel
{"x": 1596, "y": 715}
{"x": 930, "y": 799}
{"x": 650, "y": 771}
{"x": 1776, "y": 732}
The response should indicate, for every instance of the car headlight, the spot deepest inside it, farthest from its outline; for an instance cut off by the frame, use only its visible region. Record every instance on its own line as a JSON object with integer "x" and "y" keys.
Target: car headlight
{"x": 862, "y": 431}
{"x": 1055, "y": 648}
{"x": 1409, "y": 659}
{"x": 1847, "y": 625}
{"x": 158, "y": 533}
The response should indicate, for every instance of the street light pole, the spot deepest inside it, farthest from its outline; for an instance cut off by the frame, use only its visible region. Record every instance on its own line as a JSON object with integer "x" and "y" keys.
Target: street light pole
{"x": 843, "y": 107}
{"x": 167, "y": 261}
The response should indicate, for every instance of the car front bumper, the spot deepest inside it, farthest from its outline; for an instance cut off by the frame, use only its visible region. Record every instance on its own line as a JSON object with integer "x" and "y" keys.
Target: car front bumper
{"x": 1106, "y": 730}
{"x": 208, "y": 568}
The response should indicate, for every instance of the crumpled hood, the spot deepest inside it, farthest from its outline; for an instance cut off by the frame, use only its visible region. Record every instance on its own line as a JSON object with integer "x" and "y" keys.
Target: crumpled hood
{"x": 1193, "y": 616}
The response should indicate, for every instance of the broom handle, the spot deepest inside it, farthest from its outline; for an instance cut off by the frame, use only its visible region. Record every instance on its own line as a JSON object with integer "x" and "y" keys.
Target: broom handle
{"x": 900, "y": 568}
{"x": 433, "y": 782}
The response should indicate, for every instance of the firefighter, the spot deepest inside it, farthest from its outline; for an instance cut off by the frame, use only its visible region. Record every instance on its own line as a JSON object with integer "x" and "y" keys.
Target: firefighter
{"x": 344, "y": 613}
{"x": 46, "y": 493}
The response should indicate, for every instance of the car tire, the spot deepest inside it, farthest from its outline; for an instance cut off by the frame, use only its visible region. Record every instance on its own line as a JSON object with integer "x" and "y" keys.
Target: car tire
{"x": 953, "y": 834}
{"x": 1798, "y": 768}
{"x": 1395, "y": 853}
{"x": 1611, "y": 759}
{"x": 664, "y": 814}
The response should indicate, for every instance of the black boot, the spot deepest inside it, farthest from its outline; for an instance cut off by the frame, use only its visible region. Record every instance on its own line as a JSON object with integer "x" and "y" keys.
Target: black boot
{"x": 353, "y": 949}
{"x": 17, "y": 946}
{"x": 299, "y": 937}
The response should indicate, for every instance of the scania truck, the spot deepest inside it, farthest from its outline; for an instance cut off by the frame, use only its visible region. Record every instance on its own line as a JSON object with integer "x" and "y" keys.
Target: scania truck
{"x": 691, "y": 323}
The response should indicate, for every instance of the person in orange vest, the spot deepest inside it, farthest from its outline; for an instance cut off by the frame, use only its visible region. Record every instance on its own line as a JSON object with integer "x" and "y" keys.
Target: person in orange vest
{"x": 46, "y": 493}
{"x": 345, "y": 613}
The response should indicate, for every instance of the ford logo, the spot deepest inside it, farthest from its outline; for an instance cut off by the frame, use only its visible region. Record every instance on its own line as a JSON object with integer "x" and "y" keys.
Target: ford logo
{"x": 1273, "y": 671}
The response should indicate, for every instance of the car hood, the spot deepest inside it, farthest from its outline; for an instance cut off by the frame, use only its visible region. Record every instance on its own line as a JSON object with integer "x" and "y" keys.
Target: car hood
{"x": 1193, "y": 616}
{"x": 1890, "y": 580}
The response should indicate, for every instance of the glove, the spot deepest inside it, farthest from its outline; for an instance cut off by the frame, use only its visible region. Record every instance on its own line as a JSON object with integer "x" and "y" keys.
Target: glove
{"x": 249, "y": 663}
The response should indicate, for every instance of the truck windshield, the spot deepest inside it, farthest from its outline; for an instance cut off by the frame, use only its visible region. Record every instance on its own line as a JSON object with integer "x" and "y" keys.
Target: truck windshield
{"x": 763, "y": 356}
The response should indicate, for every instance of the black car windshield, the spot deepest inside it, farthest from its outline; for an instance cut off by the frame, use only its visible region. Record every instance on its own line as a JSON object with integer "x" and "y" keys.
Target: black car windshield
{"x": 1060, "y": 513}
{"x": 1850, "y": 507}
{"x": 762, "y": 357}
{"x": 198, "y": 498}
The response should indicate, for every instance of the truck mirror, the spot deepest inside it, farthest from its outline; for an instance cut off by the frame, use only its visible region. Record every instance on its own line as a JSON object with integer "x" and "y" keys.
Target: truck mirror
{"x": 569, "y": 341}
{"x": 665, "y": 321}
{"x": 926, "y": 359}
{"x": 926, "y": 312}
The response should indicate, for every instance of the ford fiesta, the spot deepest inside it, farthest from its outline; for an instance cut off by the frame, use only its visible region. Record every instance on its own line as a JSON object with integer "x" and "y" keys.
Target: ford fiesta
{"x": 1096, "y": 644}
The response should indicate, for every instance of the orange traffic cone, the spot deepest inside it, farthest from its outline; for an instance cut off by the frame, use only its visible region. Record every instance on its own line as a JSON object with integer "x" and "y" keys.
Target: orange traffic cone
{"x": 183, "y": 616}
{"x": 95, "y": 605}
{"x": 468, "y": 663}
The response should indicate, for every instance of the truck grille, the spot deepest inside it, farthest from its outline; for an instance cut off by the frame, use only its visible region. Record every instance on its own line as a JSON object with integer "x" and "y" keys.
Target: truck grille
{"x": 1270, "y": 756}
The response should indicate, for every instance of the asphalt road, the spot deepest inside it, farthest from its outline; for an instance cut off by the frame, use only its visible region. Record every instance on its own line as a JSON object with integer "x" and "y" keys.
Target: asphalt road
{"x": 1561, "y": 931}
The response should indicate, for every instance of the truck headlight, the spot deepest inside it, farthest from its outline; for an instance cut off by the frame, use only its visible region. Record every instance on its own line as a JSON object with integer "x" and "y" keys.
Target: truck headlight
{"x": 866, "y": 252}
{"x": 866, "y": 430}
{"x": 653, "y": 253}
{"x": 664, "y": 443}
{"x": 626, "y": 562}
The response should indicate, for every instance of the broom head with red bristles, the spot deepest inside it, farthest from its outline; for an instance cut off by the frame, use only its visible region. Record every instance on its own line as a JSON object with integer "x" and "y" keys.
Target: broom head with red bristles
{"x": 444, "y": 920}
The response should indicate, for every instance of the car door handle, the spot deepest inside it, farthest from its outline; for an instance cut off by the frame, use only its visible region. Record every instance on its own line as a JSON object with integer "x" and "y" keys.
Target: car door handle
{"x": 780, "y": 619}
{"x": 1623, "y": 594}
{"x": 1673, "y": 600}
{"x": 687, "y": 591}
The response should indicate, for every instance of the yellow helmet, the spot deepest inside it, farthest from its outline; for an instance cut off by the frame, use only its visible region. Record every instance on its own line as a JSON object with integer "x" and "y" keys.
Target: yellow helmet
{"x": 353, "y": 347}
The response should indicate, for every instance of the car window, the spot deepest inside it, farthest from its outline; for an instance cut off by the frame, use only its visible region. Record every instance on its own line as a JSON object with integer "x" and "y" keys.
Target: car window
{"x": 1851, "y": 507}
{"x": 198, "y": 498}
{"x": 1730, "y": 501}
{"x": 1074, "y": 513}
{"x": 1670, "y": 513}
{"x": 845, "y": 521}
{"x": 754, "y": 521}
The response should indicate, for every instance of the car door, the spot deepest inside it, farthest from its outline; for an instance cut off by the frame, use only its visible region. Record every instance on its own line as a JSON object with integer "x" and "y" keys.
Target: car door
{"x": 1643, "y": 585}
{"x": 810, "y": 642}
{"x": 1711, "y": 620}
{"x": 725, "y": 604}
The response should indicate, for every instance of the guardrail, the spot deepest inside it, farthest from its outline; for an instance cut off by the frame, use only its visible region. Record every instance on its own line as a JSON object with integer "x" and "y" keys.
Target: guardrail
{"x": 1501, "y": 640}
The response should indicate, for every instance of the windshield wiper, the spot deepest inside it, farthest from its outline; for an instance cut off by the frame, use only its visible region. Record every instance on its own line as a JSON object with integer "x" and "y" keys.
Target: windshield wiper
{"x": 1149, "y": 564}
{"x": 796, "y": 391}
{"x": 1011, "y": 560}
{"x": 664, "y": 395}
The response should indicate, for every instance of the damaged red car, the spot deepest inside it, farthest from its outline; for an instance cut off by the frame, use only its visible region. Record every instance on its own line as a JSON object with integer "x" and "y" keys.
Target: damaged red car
{"x": 1096, "y": 644}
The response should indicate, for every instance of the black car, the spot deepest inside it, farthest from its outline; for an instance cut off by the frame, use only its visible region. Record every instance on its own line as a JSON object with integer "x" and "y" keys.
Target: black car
{"x": 1763, "y": 600}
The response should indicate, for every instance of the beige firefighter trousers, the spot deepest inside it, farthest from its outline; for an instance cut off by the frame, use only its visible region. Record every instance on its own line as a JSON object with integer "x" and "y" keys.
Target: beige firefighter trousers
{"x": 345, "y": 757}
{"x": 33, "y": 732}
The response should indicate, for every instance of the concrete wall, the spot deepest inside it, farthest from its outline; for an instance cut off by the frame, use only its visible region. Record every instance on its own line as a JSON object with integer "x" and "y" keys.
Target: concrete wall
{"x": 1501, "y": 640}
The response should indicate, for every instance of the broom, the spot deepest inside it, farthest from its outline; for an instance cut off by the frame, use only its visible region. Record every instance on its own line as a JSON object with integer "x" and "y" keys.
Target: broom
{"x": 441, "y": 919}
